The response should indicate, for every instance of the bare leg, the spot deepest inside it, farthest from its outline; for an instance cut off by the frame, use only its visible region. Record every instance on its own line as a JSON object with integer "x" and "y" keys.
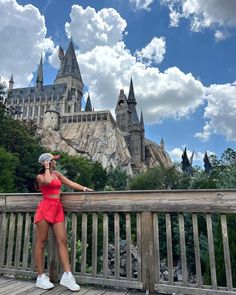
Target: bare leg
{"x": 60, "y": 234}
{"x": 41, "y": 237}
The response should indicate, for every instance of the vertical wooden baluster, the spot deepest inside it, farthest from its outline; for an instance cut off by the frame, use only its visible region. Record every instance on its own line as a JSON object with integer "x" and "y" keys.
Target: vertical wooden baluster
{"x": 95, "y": 244}
{"x": 117, "y": 245}
{"x": 128, "y": 246}
{"x": 156, "y": 247}
{"x": 26, "y": 240}
{"x": 227, "y": 260}
{"x": 73, "y": 241}
{"x": 211, "y": 251}
{"x": 18, "y": 240}
{"x": 197, "y": 250}
{"x": 169, "y": 248}
{"x": 139, "y": 246}
{"x": 4, "y": 224}
{"x": 105, "y": 245}
{"x": 11, "y": 234}
{"x": 84, "y": 243}
{"x": 183, "y": 248}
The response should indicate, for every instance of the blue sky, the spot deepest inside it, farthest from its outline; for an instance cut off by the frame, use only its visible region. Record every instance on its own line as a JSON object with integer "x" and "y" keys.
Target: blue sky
{"x": 180, "y": 53}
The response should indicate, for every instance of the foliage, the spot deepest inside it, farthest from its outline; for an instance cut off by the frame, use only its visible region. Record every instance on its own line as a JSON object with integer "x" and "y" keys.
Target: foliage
{"x": 8, "y": 164}
{"x": 164, "y": 178}
{"x": 116, "y": 179}
{"x": 83, "y": 171}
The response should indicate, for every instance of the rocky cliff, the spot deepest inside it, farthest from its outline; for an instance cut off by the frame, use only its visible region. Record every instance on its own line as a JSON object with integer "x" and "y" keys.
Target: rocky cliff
{"x": 100, "y": 141}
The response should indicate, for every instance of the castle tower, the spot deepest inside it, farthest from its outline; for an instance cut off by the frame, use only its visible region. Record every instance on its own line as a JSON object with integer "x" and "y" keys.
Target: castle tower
{"x": 88, "y": 106}
{"x": 11, "y": 83}
{"x": 142, "y": 138}
{"x": 69, "y": 73}
{"x": 132, "y": 104}
{"x": 51, "y": 119}
{"x": 122, "y": 112}
{"x": 39, "y": 80}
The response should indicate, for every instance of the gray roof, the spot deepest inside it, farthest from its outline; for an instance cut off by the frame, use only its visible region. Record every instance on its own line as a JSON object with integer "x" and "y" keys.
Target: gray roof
{"x": 69, "y": 65}
{"x": 31, "y": 92}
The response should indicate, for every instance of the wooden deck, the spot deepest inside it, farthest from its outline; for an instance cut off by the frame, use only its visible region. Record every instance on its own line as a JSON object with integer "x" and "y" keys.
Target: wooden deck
{"x": 11, "y": 286}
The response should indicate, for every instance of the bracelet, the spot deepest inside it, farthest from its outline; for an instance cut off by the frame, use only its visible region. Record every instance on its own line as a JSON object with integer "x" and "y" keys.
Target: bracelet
{"x": 47, "y": 168}
{"x": 85, "y": 188}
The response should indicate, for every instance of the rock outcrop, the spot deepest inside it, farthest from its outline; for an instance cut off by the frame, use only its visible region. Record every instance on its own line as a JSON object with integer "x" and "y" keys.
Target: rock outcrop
{"x": 100, "y": 141}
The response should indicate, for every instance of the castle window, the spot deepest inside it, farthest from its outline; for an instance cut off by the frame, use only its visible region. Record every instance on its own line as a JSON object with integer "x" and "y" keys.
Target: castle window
{"x": 68, "y": 109}
{"x": 79, "y": 118}
{"x": 84, "y": 118}
{"x": 64, "y": 119}
{"x": 74, "y": 118}
{"x": 69, "y": 119}
{"x": 121, "y": 103}
{"x": 93, "y": 117}
{"x": 89, "y": 118}
{"x": 98, "y": 117}
{"x": 104, "y": 117}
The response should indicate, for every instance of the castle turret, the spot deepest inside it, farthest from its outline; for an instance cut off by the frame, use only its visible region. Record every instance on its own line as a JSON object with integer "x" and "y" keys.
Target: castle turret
{"x": 132, "y": 104}
{"x": 69, "y": 73}
{"x": 88, "y": 106}
{"x": 51, "y": 119}
{"x": 11, "y": 83}
{"x": 61, "y": 54}
{"x": 122, "y": 112}
{"x": 142, "y": 138}
{"x": 39, "y": 80}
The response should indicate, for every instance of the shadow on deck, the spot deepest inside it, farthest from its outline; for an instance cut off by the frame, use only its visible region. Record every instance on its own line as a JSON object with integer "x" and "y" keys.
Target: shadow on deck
{"x": 11, "y": 286}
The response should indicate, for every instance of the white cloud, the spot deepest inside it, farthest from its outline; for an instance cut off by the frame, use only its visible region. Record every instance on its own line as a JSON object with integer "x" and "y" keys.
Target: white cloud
{"x": 153, "y": 53}
{"x": 203, "y": 14}
{"x": 108, "y": 68}
{"x": 141, "y": 4}
{"x": 90, "y": 28}
{"x": 23, "y": 40}
{"x": 220, "y": 112}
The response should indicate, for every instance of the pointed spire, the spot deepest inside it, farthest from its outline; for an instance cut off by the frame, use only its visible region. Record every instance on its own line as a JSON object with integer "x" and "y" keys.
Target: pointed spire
{"x": 191, "y": 158}
{"x": 131, "y": 96}
{"x": 132, "y": 103}
{"x": 88, "y": 106}
{"x": 39, "y": 80}
{"x": 11, "y": 82}
{"x": 207, "y": 163}
{"x": 162, "y": 143}
{"x": 69, "y": 64}
{"x": 141, "y": 118}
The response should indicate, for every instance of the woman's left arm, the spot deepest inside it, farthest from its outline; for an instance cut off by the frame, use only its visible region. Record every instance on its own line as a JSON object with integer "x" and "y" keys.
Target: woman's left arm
{"x": 73, "y": 184}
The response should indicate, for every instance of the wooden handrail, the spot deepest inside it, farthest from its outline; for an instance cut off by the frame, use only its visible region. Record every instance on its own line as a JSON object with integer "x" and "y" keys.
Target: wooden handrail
{"x": 97, "y": 222}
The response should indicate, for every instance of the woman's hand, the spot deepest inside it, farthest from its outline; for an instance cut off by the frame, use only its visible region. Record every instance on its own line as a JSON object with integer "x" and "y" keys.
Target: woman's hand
{"x": 86, "y": 189}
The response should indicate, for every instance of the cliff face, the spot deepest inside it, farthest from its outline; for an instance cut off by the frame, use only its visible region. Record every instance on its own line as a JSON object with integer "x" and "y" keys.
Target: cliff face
{"x": 100, "y": 141}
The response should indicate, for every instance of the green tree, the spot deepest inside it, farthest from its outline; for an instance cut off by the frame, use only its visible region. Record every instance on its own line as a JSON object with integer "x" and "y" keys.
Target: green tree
{"x": 117, "y": 179}
{"x": 8, "y": 164}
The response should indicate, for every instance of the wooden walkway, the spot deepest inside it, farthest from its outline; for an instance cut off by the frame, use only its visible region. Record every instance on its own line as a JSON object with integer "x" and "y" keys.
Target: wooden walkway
{"x": 11, "y": 286}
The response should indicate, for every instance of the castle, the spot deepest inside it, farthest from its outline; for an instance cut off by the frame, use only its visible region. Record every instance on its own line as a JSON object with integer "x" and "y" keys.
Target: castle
{"x": 61, "y": 103}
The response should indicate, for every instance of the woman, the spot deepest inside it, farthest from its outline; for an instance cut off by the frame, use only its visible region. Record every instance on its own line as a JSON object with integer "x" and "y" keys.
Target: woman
{"x": 50, "y": 213}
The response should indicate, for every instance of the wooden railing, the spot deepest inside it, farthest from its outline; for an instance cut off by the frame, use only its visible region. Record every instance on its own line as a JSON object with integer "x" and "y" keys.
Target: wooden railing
{"x": 156, "y": 223}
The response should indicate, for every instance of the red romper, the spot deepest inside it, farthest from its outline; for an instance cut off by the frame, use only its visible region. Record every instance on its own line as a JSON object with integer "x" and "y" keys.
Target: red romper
{"x": 50, "y": 209}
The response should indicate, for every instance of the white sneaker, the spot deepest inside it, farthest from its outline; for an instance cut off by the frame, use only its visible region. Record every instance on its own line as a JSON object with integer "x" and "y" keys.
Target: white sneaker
{"x": 68, "y": 280}
{"x": 43, "y": 282}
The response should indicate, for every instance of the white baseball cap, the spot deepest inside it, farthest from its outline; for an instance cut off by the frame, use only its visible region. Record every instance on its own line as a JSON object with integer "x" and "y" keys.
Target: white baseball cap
{"x": 47, "y": 157}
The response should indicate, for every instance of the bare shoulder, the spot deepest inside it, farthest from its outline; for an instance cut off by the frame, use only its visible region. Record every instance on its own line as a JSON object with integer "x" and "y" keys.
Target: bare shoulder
{"x": 58, "y": 174}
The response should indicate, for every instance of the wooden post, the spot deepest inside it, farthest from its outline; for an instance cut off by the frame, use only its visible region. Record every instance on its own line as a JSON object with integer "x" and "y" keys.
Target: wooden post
{"x": 148, "y": 261}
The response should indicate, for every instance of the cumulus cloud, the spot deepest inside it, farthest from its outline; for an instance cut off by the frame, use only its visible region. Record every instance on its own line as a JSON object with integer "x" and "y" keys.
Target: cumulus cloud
{"x": 90, "y": 28}
{"x": 23, "y": 40}
{"x": 203, "y": 14}
{"x": 141, "y": 4}
{"x": 220, "y": 112}
{"x": 107, "y": 68}
{"x": 153, "y": 53}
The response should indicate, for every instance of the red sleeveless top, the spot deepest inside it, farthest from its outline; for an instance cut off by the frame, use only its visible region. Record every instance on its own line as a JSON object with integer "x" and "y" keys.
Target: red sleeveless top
{"x": 53, "y": 188}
